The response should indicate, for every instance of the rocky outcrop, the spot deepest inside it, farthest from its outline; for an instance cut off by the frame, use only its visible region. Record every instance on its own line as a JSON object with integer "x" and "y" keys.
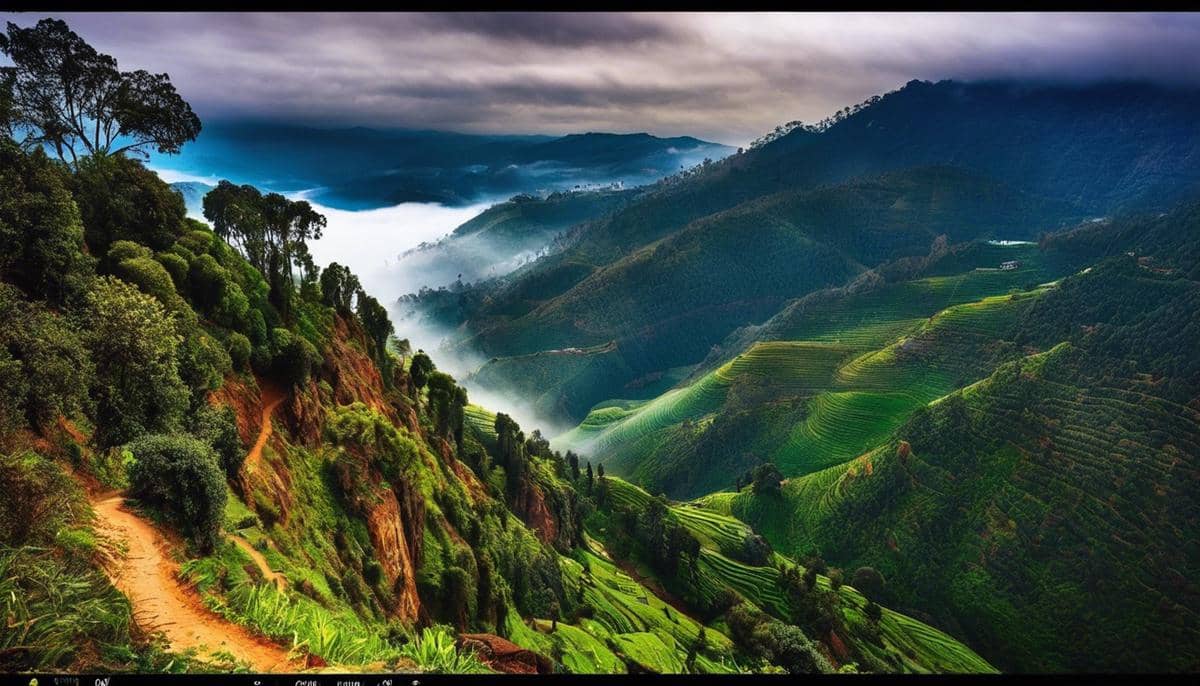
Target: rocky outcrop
{"x": 505, "y": 656}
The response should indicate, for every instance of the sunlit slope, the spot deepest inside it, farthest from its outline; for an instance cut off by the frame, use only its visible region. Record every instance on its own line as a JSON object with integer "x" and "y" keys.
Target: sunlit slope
{"x": 811, "y": 403}
{"x": 907, "y": 644}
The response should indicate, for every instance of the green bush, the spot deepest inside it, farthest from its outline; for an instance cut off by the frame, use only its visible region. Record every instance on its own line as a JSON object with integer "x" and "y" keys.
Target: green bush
{"x": 218, "y": 428}
{"x": 293, "y": 357}
{"x": 123, "y": 250}
{"x": 133, "y": 341}
{"x": 40, "y": 499}
{"x": 45, "y": 370}
{"x": 176, "y": 266}
{"x": 181, "y": 476}
{"x": 239, "y": 351}
{"x": 203, "y": 363}
{"x": 151, "y": 277}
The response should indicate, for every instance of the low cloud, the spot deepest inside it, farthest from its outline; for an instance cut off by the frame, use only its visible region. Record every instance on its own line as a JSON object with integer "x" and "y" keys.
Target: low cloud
{"x": 726, "y": 77}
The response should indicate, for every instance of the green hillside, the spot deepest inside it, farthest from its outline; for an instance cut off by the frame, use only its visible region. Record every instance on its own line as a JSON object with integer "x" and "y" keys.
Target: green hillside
{"x": 795, "y": 242}
{"x": 1026, "y": 494}
{"x": 856, "y": 363}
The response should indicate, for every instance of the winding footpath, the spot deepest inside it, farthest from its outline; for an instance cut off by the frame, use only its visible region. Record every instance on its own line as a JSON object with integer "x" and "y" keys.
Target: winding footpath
{"x": 161, "y": 602}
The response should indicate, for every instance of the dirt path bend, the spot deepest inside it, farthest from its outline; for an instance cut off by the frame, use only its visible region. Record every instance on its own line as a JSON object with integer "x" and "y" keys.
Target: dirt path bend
{"x": 269, "y": 574}
{"x": 161, "y": 602}
{"x": 271, "y": 398}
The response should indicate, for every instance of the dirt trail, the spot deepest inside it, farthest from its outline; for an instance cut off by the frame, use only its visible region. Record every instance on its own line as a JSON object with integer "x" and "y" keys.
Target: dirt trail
{"x": 271, "y": 575}
{"x": 148, "y": 576}
{"x": 160, "y": 602}
{"x": 271, "y": 398}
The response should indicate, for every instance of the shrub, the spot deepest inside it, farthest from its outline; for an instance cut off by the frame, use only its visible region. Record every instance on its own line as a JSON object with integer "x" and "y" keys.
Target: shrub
{"x": 40, "y": 499}
{"x": 869, "y": 582}
{"x": 123, "y": 250}
{"x": 45, "y": 370}
{"x": 176, "y": 266}
{"x": 218, "y": 428}
{"x": 137, "y": 387}
{"x": 119, "y": 198}
{"x": 181, "y": 476}
{"x": 203, "y": 362}
{"x": 293, "y": 357}
{"x": 239, "y": 351}
{"x": 755, "y": 550}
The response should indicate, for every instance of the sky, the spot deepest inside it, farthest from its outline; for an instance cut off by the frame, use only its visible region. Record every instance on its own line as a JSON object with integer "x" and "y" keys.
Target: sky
{"x": 723, "y": 77}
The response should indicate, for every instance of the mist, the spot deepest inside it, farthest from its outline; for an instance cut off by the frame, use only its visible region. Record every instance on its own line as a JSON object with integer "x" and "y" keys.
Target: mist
{"x": 378, "y": 246}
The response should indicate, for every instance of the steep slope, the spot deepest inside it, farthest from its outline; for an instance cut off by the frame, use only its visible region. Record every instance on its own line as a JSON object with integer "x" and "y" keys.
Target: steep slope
{"x": 1021, "y": 500}
{"x": 794, "y": 243}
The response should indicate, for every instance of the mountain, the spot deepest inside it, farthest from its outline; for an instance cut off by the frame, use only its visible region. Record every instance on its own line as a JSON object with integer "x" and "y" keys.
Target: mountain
{"x": 362, "y": 168}
{"x": 193, "y": 193}
{"x": 795, "y": 242}
{"x": 651, "y": 288}
{"x": 495, "y": 243}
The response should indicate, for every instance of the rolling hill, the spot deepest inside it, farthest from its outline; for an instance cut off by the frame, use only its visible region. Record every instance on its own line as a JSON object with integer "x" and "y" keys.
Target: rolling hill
{"x": 875, "y": 185}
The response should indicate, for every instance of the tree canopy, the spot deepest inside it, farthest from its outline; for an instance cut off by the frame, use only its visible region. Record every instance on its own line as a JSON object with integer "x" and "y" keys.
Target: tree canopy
{"x": 63, "y": 93}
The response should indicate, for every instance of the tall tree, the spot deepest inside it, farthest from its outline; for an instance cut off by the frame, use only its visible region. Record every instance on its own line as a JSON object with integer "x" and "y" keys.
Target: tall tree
{"x": 270, "y": 231}
{"x": 64, "y": 94}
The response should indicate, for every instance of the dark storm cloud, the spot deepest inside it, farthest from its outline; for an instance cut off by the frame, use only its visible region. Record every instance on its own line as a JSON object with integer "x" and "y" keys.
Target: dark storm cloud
{"x": 571, "y": 29}
{"x": 726, "y": 77}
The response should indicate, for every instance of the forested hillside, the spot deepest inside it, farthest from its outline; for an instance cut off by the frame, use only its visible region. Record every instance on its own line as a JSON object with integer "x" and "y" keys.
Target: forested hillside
{"x": 812, "y": 209}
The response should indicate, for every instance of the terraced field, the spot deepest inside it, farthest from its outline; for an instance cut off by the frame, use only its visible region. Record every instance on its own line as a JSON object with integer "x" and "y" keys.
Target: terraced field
{"x": 830, "y": 398}
{"x": 907, "y": 644}
{"x": 1009, "y": 527}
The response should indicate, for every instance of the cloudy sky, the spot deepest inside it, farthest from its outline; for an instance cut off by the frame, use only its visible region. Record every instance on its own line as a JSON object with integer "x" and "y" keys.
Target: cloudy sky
{"x": 725, "y": 77}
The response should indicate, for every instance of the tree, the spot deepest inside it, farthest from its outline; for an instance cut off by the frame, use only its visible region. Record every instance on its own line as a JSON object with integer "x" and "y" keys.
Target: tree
{"x": 119, "y": 198}
{"x": 374, "y": 318}
{"x": 44, "y": 368}
{"x": 270, "y": 231}
{"x": 132, "y": 339}
{"x": 338, "y": 287}
{"x": 420, "y": 370}
{"x": 766, "y": 479}
{"x": 180, "y": 475}
{"x": 66, "y": 95}
{"x": 41, "y": 236}
{"x": 590, "y": 478}
{"x": 573, "y": 461}
{"x": 218, "y": 428}
{"x": 293, "y": 357}
{"x": 401, "y": 347}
